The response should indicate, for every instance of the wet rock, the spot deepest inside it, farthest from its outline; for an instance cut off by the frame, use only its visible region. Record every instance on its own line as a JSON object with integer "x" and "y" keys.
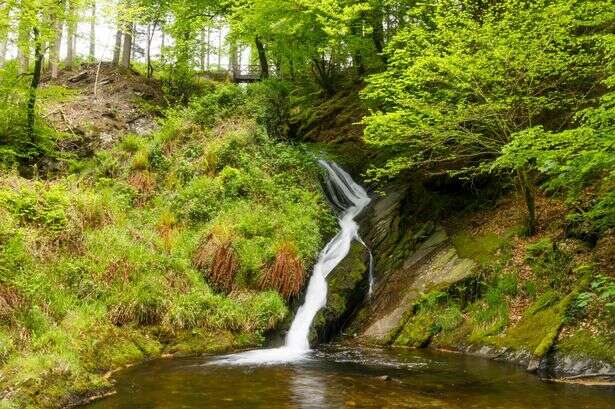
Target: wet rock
{"x": 434, "y": 264}
{"x": 346, "y": 290}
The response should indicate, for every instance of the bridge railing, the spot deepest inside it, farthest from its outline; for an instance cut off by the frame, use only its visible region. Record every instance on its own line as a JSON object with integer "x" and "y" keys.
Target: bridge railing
{"x": 240, "y": 72}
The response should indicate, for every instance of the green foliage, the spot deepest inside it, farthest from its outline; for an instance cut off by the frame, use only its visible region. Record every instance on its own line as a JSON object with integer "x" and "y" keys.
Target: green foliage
{"x": 39, "y": 205}
{"x": 600, "y": 294}
{"x": 550, "y": 263}
{"x": 582, "y": 343}
{"x": 469, "y": 93}
{"x": 435, "y": 312}
{"x": 132, "y": 143}
{"x": 16, "y": 148}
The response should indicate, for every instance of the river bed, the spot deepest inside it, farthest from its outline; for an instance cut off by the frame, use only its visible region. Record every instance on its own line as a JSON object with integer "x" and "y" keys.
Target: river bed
{"x": 334, "y": 376}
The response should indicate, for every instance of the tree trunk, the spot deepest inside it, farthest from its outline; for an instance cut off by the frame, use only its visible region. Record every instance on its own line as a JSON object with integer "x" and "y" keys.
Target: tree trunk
{"x": 528, "y": 195}
{"x": 151, "y": 30}
{"x": 232, "y": 61}
{"x": 378, "y": 32}
{"x": 232, "y": 57}
{"x": 262, "y": 58}
{"x": 70, "y": 36}
{"x": 291, "y": 68}
{"x": 3, "y": 49}
{"x": 93, "y": 32}
{"x": 208, "y": 47}
{"x": 220, "y": 48}
{"x": 117, "y": 48}
{"x": 357, "y": 58}
{"x": 162, "y": 41}
{"x": 324, "y": 75}
{"x": 127, "y": 48}
{"x": 5, "y": 11}
{"x": 202, "y": 50}
{"x": 23, "y": 45}
{"x": 36, "y": 79}
{"x": 54, "y": 52}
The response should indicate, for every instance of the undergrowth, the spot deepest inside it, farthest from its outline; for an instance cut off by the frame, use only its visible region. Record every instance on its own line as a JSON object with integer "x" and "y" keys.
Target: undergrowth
{"x": 562, "y": 305}
{"x": 187, "y": 240}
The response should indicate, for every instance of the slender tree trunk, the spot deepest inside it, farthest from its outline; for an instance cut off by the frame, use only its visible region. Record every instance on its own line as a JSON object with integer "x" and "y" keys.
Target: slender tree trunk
{"x": 291, "y": 68}
{"x": 134, "y": 39}
{"x": 117, "y": 48}
{"x": 208, "y": 47}
{"x": 3, "y": 49}
{"x": 23, "y": 45}
{"x": 324, "y": 75}
{"x": 220, "y": 48}
{"x": 357, "y": 58}
{"x": 162, "y": 42}
{"x": 202, "y": 50}
{"x": 71, "y": 30}
{"x": 527, "y": 189}
{"x": 54, "y": 52}
{"x": 5, "y": 12}
{"x": 93, "y": 31}
{"x": 232, "y": 57}
{"x": 36, "y": 79}
{"x": 151, "y": 30}
{"x": 378, "y": 32}
{"x": 127, "y": 48}
{"x": 262, "y": 58}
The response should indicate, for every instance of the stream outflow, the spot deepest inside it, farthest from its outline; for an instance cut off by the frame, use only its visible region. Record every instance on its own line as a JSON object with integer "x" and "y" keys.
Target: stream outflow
{"x": 349, "y": 199}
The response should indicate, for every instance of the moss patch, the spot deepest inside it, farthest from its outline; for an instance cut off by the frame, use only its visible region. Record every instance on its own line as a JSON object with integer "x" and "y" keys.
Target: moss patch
{"x": 582, "y": 343}
{"x": 478, "y": 248}
{"x": 344, "y": 291}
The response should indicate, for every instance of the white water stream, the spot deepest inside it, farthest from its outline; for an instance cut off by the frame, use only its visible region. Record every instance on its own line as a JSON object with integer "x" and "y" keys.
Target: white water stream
{"x": 349, "y": 199}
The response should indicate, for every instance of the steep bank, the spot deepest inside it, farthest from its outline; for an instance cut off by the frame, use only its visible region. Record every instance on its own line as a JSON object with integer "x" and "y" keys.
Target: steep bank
{"x": 188, "y": 239}
{"x": 469, "y": 282}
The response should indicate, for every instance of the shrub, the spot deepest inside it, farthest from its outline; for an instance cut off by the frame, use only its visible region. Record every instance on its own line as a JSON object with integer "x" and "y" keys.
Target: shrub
{"x": 200, "y": 200}
{"x": 286, "y": 274}
{"x": 190, "y": 310}
{"x": 132, "y": 143}
{"x": 143, "y": 303}
{"x": 550, "y": 263}
{"x": 141, "y": 159}
{"x": 216, "y": 259}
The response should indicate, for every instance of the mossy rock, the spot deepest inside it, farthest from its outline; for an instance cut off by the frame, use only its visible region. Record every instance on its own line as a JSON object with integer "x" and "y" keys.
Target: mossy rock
{"x": 478, "y": 248}
{"x": 203, "y": 341}
{"x": 417, "y": 332}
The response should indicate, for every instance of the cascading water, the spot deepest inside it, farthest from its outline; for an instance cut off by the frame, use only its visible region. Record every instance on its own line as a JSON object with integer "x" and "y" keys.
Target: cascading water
{"x": 349, "y": 199}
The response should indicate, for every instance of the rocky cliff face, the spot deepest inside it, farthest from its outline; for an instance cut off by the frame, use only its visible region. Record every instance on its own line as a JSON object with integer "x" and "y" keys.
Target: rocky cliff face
{"x": 431, "y": 290}
{"x": 433, "y": 265}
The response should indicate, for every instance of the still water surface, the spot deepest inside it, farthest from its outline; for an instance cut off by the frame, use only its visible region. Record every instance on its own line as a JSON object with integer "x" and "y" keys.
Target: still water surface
{"x": 340, "y": 377}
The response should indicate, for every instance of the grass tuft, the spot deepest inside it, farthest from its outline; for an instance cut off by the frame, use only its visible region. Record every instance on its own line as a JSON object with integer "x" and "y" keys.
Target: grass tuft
{"x": 286, "y": 274}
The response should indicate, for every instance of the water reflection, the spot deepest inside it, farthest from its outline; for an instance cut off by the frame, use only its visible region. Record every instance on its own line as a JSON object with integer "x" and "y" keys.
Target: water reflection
{"x": 308, "y": 389}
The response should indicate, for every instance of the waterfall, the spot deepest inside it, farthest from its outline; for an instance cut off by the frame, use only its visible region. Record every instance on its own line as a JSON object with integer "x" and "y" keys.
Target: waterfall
{"x": 349, "y": 199}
